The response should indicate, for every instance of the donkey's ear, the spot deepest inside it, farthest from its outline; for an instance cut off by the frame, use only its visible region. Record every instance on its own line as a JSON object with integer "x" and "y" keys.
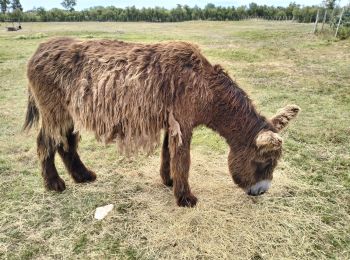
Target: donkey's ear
{"x": 283, "y": 116}
{"x": 268, "y": 141}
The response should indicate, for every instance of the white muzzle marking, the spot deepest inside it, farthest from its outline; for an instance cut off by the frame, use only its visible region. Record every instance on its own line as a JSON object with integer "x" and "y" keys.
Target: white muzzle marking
{"x": 259, "y": 188}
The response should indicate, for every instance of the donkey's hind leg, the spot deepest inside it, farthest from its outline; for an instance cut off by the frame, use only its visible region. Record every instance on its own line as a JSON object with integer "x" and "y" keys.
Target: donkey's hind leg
{"x": 46, "y": 149}
{"x": 72, "y": 161}
{"x": 165, "y": 162}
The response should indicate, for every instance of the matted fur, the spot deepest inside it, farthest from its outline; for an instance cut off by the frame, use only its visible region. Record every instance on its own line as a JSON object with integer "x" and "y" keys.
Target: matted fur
{"x": 121, "y": 91}
{"x": 129, "y": 92}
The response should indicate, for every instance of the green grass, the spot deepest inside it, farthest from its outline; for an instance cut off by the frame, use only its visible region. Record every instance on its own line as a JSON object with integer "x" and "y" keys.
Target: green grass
{"x": 306, "y": 213}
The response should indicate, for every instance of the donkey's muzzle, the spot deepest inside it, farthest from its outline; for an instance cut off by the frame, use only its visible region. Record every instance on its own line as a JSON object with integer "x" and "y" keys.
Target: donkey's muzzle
{"x": 259, "y": 188}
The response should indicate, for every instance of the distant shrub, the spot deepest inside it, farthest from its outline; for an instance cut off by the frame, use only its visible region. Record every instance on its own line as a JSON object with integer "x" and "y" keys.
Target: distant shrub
{"x": 344, "y": 33}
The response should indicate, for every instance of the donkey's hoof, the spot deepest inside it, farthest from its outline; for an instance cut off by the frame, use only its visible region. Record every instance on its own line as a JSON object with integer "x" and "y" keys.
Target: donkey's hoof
{"x": 56, "y": 184}
{"x": 168, "y": 183}
{"x": 187, "y": 201}
{"x": 85, "y": 176}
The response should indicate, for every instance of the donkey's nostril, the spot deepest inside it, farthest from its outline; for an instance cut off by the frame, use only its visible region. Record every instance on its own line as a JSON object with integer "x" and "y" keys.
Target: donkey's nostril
{"x": 261, "y": 192}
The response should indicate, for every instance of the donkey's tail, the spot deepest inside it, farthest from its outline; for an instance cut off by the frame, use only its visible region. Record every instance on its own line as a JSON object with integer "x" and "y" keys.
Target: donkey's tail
{"x": 32, "y": 116}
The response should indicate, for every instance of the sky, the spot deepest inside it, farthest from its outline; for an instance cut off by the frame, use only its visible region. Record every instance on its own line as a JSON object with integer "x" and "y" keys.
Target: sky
{"x": 82, "y": 4}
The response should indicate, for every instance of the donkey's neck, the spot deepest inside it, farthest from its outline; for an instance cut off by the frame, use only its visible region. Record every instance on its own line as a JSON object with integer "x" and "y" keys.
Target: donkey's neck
{"x": 234, "y": 116}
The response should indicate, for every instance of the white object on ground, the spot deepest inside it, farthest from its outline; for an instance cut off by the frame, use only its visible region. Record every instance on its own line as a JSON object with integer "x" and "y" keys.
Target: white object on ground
{"x": 101, "y": 212}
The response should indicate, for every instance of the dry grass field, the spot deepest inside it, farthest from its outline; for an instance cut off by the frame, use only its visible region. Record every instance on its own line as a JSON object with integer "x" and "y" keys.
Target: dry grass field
{"x": 305, "y": 215}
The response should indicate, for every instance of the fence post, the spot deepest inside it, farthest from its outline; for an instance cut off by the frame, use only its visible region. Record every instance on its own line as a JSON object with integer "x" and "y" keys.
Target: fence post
{"x": 316, "y": 22}
{"x": 341, "y": 15}
{"x": 324, "y": 19}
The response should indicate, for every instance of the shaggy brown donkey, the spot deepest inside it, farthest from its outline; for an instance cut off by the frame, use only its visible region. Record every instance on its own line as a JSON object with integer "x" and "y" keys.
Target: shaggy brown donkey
{"x": 128, "y": 93}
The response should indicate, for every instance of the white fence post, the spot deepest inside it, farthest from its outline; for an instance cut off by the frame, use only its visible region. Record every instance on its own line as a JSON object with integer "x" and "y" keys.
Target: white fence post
{"x": 315, "y": 28}
{"x": 324, "y": 19}
{"x": 341, "y": 15}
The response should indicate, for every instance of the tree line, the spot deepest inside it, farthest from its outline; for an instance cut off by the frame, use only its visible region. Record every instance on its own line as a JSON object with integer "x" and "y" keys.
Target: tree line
{"x": 158, "y": 14}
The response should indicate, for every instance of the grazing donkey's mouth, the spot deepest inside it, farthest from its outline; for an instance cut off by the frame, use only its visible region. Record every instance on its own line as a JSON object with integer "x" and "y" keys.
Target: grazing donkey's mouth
{"x": 259, "y": 188}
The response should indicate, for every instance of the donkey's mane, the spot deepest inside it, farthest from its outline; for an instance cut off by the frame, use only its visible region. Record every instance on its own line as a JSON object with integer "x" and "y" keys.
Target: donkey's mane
{"x": 240, "y": 110}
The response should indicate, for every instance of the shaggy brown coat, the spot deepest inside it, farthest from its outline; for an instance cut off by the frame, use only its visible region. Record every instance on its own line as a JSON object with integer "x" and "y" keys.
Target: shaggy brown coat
{"x": 128, "y": 93}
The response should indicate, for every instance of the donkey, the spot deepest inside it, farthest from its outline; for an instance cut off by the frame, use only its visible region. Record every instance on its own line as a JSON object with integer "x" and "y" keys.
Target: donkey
{"x": 128, "y": 93}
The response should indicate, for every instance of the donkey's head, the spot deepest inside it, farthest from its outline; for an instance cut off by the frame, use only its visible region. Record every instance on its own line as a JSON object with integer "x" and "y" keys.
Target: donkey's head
{"x": 252, "y": 166}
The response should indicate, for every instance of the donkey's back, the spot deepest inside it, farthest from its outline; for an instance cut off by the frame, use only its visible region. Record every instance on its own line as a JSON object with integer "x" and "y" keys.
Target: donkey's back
{"x": 121, "y": 91}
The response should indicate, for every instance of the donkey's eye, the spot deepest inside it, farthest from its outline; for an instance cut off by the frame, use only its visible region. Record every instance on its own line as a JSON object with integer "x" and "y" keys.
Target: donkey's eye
{"x": 262, "y": 167}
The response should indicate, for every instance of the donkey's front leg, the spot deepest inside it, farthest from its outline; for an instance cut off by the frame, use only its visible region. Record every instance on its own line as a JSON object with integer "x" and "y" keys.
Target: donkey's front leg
{"x": 180, "y": 165}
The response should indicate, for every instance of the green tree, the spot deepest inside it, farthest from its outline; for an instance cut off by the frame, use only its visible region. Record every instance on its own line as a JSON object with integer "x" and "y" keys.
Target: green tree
{"x": 16, "y": 14}
{"x": 4, "y": 5}
{"x": 241, "y": 12}
{"x": 16, "y": 5}
{"x": 330, "y": 4}
{"x": 290, "y": 8}
{"x": 160, "y": 14}
{"x": 69, "y": 4}
{"x": 253, "y": 9}
{"x": 41, "y": 12}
